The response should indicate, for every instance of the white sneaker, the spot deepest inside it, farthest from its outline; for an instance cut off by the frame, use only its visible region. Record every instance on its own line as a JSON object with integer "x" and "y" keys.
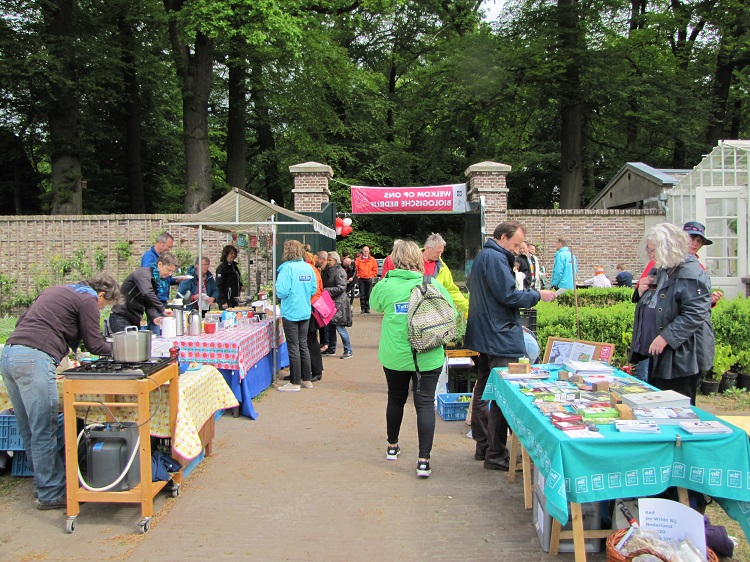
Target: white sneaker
{"x": 288, "y": 387}
{"x": 307, "y": 384}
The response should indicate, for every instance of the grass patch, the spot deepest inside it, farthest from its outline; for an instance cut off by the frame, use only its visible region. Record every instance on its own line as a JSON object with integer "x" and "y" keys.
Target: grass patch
{"x": 7, "y": 325}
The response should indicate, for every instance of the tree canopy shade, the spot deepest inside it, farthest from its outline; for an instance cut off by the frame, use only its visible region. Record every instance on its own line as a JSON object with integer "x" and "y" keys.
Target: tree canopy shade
{"x": 163, "y": 106}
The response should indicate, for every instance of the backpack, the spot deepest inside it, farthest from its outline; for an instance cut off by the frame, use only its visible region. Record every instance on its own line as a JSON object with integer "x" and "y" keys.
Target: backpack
{"x": 431, "y": 320}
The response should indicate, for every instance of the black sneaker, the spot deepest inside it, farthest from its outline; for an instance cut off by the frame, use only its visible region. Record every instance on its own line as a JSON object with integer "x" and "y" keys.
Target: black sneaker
{"x": 329, "y": 351}
{"x": 423, "y": 469}
{"x": 347, "y": 355}
{"x": 393, "y": 452}
{"x": 60, "y": 503}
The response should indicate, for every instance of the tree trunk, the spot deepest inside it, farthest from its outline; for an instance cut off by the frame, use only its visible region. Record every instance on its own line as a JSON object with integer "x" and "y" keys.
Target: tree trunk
{"x": 571, "y": 106}
{"x": 637, "y": 13}
{"x": 236, "y": 122}
{"x": 195, "y": 71}
{"x": 132, "y": 109}
{"x": 62, "y": 110}
{"x": 264, "y": 130}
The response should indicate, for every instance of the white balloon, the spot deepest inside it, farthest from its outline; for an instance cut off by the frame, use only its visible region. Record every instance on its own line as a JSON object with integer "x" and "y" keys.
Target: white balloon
{"x": 338, "y": 231}
{"x": 347, "y": 221}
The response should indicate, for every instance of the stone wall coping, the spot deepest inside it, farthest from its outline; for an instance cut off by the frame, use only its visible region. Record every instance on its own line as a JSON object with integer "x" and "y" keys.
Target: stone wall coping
{"x": 487, "y": 167}
{"x": 585, "y": 212}
{"x": 311, "y": 168}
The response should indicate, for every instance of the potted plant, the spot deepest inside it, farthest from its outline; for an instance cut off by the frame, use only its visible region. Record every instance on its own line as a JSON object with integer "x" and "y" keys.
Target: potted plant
{"x": 724, "y": 359}
{"x": 743, "y": 369}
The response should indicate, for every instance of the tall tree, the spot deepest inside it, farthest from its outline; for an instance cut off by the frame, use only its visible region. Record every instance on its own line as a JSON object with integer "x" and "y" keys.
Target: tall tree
{"x": 62, "y": 107}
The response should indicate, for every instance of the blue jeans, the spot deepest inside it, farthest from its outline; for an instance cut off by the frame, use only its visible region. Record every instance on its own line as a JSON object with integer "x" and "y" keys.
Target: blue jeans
{"x": 344, "y": 337}
{"x": 299, "y": 355}
{"x": 29, "y": 376}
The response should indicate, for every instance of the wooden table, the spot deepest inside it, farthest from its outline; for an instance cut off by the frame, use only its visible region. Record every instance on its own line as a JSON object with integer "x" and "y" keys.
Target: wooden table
{"x": 144, "y": 492}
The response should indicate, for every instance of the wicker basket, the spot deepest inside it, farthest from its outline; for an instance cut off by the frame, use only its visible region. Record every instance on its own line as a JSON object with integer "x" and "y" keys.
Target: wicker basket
{"x": 614, "y": 556}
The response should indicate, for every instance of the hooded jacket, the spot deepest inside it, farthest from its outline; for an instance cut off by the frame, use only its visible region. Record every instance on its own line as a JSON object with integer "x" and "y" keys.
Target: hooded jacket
{"x": 391, "y": 296}
{"x": 209, "y": 285}
{"x": 494, "y": 324}
{"x": 445, "y": 278}
{"x": 563, "y": 276}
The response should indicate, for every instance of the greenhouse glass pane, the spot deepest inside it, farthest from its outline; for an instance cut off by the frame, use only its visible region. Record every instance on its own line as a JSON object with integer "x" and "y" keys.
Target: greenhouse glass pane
{"x": 715, "y": 207}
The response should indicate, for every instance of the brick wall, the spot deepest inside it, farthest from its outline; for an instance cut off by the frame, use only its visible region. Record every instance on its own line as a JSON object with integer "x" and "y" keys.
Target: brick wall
{"x": 597, "y": 237}
{"x": 33, "y": 245}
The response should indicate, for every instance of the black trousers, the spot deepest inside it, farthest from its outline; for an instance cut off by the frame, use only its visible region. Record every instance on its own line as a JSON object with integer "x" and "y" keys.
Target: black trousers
{"x": 313, "y": 347}
{"x": 488, "y": 425}
{"x": 365, "y": 288}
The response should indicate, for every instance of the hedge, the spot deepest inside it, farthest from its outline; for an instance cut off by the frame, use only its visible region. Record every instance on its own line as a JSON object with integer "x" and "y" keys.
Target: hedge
{"x": 606, "y": 315}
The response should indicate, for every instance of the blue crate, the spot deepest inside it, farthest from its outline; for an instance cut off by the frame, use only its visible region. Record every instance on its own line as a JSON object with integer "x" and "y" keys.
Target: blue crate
{"x": 450, "y": 409}
{"x": 10, "y": 436}
{"x": 20, "y": 466}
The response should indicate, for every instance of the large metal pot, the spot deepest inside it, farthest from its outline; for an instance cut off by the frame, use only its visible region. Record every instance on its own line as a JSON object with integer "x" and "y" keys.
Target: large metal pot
{"x": 131, "y": 345}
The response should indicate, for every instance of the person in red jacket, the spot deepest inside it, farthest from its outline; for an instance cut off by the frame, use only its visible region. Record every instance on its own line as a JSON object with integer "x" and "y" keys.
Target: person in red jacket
{"x": 367, "y": 271}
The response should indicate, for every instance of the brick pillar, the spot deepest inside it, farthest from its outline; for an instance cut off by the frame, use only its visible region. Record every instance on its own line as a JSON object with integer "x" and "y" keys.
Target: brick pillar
{"x": 310, "y": 186}
{"x": 488, "y": 179}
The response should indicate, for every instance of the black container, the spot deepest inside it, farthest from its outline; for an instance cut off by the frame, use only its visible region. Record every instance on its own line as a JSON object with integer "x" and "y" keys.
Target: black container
{"x": 728, "y": 380}
{"x": 528, "y": 319}
{"x": 108, "y": 453}
{"x": 709, "y": 387}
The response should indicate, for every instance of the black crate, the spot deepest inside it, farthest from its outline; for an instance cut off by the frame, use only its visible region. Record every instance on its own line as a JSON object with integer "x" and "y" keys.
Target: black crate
{"x": 528, "y": 319}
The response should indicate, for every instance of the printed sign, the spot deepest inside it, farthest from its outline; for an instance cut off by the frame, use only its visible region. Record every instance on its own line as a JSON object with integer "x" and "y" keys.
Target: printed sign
{"x": 400, "y": 200}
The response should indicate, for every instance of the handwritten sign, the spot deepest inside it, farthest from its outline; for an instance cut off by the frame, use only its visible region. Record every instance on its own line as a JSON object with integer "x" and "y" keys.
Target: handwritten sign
{"x": 673, "y": 521}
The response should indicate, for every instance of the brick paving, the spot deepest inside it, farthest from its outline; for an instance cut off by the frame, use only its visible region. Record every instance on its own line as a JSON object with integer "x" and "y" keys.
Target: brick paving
{"x": 308, "y": 480}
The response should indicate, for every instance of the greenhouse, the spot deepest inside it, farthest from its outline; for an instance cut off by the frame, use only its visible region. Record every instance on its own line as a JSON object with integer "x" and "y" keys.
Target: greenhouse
{"x": 715, "y": 193}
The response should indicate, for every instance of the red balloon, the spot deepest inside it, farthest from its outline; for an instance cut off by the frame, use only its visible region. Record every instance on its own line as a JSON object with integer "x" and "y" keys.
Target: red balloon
{"x": 339, "y": 222}
{"x": 346, "y": 230}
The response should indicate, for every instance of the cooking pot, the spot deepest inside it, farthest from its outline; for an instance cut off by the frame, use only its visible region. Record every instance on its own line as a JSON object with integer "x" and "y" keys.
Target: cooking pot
{"x": 131, "y": 345}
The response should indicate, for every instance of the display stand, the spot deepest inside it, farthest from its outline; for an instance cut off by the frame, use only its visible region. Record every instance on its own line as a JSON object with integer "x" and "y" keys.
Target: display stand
{"x": 578, "y": 534}
{"x": 145, "y": 491}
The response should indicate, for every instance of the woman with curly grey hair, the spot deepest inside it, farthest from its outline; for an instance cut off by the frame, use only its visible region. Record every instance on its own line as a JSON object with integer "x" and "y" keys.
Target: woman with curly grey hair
{"x": 672, "y": 324}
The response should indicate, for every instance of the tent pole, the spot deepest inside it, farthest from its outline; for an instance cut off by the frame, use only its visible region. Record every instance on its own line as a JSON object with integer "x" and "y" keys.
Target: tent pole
{"x": 273, "y": 300}
{"x": 199, "y": 270}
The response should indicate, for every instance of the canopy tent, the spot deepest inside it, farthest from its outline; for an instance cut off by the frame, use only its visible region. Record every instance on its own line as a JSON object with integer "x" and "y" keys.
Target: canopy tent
{"x": 239, "y": 210}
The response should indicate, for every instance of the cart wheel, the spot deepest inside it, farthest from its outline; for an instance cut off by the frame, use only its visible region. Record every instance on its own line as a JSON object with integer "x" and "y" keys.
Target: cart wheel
{"x": 70, "y": 524}
{"x": 145, "y": 525}
{"x": 176, "y": 491}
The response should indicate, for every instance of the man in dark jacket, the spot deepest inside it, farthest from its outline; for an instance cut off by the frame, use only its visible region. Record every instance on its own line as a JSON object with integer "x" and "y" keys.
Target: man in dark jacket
{"x": 494, "y": 330}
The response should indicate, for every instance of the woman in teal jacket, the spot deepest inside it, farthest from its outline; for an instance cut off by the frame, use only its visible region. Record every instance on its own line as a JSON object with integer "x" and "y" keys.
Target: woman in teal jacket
{"x": 391, "y": 296}
{"x": 295, "y": 285}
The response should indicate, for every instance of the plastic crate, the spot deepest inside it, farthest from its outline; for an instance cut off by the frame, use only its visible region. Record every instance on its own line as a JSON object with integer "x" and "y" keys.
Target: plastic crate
{"x": 450, "y": 409}
{"x": 10, "y": 436}
{"x": 20, "y": 466}
{"x": 528, "y": 318}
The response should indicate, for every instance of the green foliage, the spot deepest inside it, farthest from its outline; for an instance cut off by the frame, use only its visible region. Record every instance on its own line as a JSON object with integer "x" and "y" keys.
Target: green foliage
{"x": 743, "y": 361}
{"x": 600, "y": 298}
{"x": 123, "y": 249}
{"x": 185, "y": 258}
{"x": 731, "y": 321}
{"x": 380, "y": 244}
{"x": 7, "y": 325}
{"x": 100, "y": 258}
{"x": 724, "y": 359}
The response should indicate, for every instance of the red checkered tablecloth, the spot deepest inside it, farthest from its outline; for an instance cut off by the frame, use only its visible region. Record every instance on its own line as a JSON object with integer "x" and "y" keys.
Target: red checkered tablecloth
{"x": 236, "y": 349}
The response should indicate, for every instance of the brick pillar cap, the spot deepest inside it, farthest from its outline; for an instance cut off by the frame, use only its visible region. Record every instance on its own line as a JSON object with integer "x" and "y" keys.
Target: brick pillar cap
{"x": 311, "y": 168}
{"x": 486, "y": 167}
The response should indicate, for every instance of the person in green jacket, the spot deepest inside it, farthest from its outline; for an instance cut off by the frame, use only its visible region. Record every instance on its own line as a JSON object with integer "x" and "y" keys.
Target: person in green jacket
{"x": 391, "y": 296}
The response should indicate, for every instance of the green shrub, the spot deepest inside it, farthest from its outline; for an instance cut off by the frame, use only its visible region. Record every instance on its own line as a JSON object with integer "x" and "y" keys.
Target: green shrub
{"x": 596, "y": 297}
{"x": 731, "y": 321}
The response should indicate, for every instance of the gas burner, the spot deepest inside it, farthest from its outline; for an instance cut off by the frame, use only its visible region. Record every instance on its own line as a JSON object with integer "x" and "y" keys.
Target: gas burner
{"x": 107, "y": 367}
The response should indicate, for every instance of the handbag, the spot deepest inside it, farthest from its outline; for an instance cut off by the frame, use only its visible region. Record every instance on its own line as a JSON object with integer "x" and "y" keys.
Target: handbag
{"x": 323, "y": 309}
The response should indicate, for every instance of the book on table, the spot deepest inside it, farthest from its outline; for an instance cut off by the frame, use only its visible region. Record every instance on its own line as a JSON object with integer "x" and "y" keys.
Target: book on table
{"x": 588, "y": 368}
{"x": 666, "y": 416}
{"x": 656, "y": 399}
{"x": 637, "y": 426}
{"x": 699, "y": 427}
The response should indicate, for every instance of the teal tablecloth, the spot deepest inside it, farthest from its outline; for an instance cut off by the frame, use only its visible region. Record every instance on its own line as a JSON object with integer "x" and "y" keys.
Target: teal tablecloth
{"x": 624, "y": 465}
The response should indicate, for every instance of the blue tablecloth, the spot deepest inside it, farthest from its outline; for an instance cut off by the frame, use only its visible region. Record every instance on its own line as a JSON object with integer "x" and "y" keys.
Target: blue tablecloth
{"x": 627, "y": 464}
{"x": 257, "y": 378}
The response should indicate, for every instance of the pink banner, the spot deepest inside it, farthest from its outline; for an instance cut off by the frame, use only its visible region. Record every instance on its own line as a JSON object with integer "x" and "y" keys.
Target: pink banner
{"x": 400, "y": 200}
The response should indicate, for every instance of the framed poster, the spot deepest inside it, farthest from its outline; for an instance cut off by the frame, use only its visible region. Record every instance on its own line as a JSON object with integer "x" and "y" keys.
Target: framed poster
{"x": 560, "y": 350}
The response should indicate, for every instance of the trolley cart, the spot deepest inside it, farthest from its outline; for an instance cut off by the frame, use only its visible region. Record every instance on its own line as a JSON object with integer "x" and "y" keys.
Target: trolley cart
{"x": 144, "y": 492}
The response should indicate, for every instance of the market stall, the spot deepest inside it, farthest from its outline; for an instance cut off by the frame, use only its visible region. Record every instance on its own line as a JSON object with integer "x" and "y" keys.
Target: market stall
{"x": 243, "y": 355}
{"x": 238, "y": 211}
{"x": 612, "y": 464}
